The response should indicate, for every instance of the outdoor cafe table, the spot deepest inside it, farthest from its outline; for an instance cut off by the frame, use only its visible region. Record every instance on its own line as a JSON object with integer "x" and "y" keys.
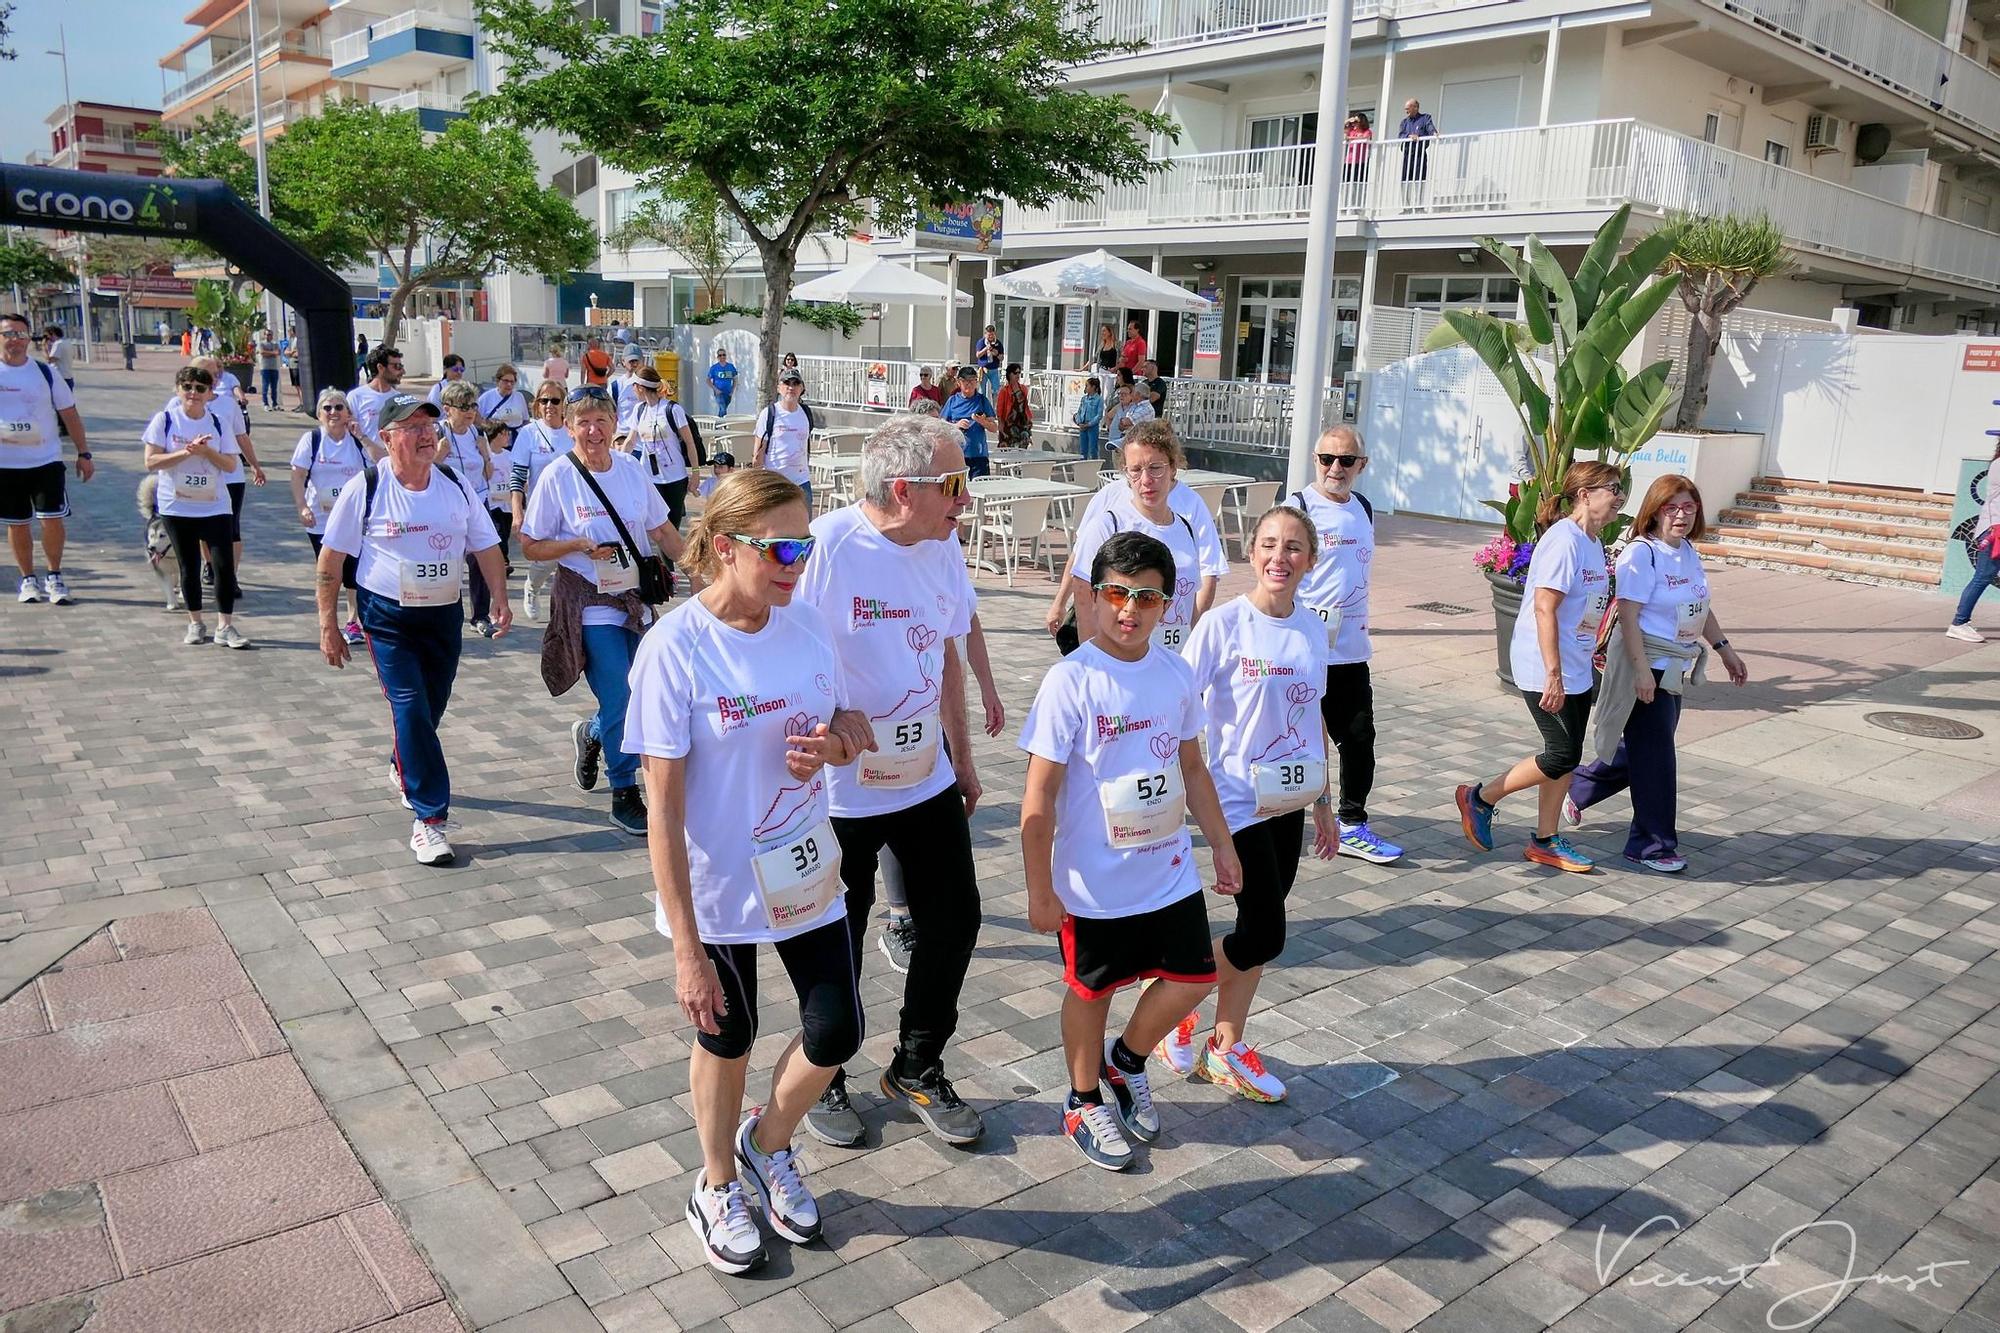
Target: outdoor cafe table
{"x": 1003, "y": 491}
{"x": 1016, "y": 457}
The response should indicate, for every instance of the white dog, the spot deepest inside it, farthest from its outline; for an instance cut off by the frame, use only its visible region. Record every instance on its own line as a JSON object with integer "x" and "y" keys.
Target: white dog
{"x": 159, "y": 545}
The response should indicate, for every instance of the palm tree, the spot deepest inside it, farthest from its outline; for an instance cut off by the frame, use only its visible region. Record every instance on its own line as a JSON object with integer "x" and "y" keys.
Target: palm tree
{"x": 1720, "y": 260}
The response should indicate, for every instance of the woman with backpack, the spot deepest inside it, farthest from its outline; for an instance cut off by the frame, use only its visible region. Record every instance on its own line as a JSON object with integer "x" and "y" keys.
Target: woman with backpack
{"x": 326, "y": 458}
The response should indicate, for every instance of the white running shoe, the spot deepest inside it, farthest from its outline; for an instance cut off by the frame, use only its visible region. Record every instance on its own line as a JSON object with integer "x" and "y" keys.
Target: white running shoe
{"x": 196, "y": 632}
{"x": 779, "y": 1181}
{"x": 720, "y": 1219}
{"x": 1963, "y": 633}
{"x": 56, "y": 589}
{"x": 31, "y": 591}
{"x": 231, "y": 637}
{"x": 530, "y": 607}
{"x": 1242, "y": 1071}
{"x": 1572, "y": 816}
{"x": 396, "y": 781}
{"x": 1131, "y": 1099}
{"x": 429, "y": 844}
{"x": 1177, "y": 1047}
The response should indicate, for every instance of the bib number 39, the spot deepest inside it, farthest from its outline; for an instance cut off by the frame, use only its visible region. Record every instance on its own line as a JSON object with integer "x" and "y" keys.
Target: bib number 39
{"x": 908, "y": 755}
{"x": 799, "y": 879}
{"x": 1141, "y": 809}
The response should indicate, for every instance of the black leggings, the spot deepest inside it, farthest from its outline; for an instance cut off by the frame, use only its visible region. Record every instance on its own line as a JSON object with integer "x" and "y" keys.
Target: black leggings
{"x": 1563, "y": 733}
{"x": 503, "y": 523}
{"x": 823, "y": 975}
{"x": 188, "y": 534}
{"x": 1269, "y": 851}
{"x": 1349, "y": 709}
{"x": 932, "y": 838}
{"x": 675, "y": 494}
{"x": 237, "y": 490}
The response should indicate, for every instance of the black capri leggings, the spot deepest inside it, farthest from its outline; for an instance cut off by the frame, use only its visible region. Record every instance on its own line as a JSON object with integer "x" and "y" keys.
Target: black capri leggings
{"x": 1269, "y": 851}
{"x": 347, "y": 568}
{"x": 821, "y": 967}
{"x": 1563, "y": 733}
{"x": 188, "y": 534}
{"x": 237, "y": 490}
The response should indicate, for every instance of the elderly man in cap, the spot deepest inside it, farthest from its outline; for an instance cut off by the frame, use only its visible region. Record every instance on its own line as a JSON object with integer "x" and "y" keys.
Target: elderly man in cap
{"x": 410, "y": 529}
{"x": 784, "y": 432}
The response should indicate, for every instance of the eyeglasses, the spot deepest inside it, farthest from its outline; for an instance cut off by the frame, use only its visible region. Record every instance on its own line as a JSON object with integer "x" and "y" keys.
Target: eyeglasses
{"x": 1611, "y": 486}
{"x": 1341, "y": 460}
{"x": 12, "y": 335}
{"x": 548, "y": 401}
{"x": 586, "y": 393}
{"x": 954, "y": 483}
{"x": 1680, "y": 511}
{"x": 779, "y": 550}
{"x": 1155, "y": 471}
{"x": 1122, "y": 595}
{"x": 335, "y": 407}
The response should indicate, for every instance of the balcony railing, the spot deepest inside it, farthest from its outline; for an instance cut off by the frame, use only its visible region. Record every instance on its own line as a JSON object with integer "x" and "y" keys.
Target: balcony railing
{"x": 420, "y": 99}
{"x": 296, "y": 41}
{"x": 1588, "y": 167}
{"x": 1170, "y": 23}
{"x": 1872, "y": 42}
{"x": 352, "y": 48}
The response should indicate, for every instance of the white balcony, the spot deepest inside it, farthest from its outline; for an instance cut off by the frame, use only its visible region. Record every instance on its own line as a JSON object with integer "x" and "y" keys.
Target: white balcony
{"x": 421, "y": 99}
{"x": 1171, "y": 23}
{"x": 1457, "y": 186}
{"x": 296, "y": 41}
{"x": 427, "y": 35}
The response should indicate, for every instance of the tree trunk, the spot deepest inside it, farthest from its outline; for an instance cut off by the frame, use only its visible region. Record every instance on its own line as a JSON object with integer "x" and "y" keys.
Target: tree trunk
{"x": 779, "y": 264}
{"x": 392, "y": 318}
{"x": 1702, "y": 336}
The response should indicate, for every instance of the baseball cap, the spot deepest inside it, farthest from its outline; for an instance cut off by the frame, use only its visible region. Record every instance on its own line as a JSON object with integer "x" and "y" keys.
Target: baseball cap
{"x": 402, "y": 407}
{"x": 723, "y": 459}
{"x": 790, "y": 375}
{"x": 634, "y": 354}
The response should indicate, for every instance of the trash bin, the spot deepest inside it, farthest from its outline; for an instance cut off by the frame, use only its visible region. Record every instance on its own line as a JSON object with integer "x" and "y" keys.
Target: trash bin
{"x": 131, "y": 350}
{"x": 669, "y": 366}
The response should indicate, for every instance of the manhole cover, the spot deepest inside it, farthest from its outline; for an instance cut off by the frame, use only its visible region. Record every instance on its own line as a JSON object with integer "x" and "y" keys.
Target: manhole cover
{"x": 1925, "y": 725}
{"x": 1442, "y": 609}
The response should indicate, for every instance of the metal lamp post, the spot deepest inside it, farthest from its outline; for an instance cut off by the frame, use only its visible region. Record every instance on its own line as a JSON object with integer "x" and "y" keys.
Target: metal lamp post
{"x": 1316, "y": 308}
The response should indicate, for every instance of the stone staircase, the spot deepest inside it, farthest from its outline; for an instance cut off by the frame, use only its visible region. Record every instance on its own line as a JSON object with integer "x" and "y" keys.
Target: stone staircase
{"x": 1866, "y": 534}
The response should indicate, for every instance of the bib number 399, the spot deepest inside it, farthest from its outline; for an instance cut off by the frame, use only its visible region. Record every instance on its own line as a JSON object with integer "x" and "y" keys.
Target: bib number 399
{"x": 799, "y": 879}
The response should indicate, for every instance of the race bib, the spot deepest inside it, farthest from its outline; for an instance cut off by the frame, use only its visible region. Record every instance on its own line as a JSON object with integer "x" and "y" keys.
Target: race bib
{"x": 429, "y": 582}
{"x": 1330, "y": 617}
{"x": 1694, "y": 615}
{"x": 23, "y": 433}
{"x": 1141, "y": 809}
{"x": 1285, "y": 787}
{"x": 1593, "y": 617}
{"x": 1170, "y": 637}
{"x": 616, "y": 575}
{"x": 908, "y": 755}
{"x": 326, "y": 499}
{"x": 195, "y": 485}
{"x": 800, "y": 880}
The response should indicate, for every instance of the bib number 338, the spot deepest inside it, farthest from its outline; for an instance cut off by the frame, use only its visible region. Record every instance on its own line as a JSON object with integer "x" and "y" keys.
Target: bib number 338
{"x": 799, "y": 879}
{"x": 429, "y": 582}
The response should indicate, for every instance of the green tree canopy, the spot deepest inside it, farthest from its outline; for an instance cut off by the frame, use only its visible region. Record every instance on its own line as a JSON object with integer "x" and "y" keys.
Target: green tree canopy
{"x": 1719, "y": 259}
{"x": 698, "y": 229}
{"x": 359, "y": 181}
{"x": 28, "y": 263}
{"x": 793, "y": 116}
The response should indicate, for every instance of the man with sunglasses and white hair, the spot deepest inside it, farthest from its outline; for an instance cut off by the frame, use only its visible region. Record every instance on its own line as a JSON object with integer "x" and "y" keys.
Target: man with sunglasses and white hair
{"x": 1336, "y": 588}
{"x": 890, "y": 579}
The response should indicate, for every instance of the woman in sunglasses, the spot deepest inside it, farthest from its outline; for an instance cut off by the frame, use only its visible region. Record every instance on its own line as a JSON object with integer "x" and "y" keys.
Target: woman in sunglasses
{"x": 539, "y": 443}
{"x": 1260, "y": 663}
{"x": 1655, "y": 648}
{"x": 595, "y": 514}
{"x": 325, "y": 459}
{"x": 1151, "y": 459}
{"x": 1567, "y": 590}
{"x": 736, "y": 708}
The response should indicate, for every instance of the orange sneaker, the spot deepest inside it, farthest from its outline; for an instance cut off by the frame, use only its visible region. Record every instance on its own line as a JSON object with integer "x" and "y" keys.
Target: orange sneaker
{"x": 1558, "y": 852}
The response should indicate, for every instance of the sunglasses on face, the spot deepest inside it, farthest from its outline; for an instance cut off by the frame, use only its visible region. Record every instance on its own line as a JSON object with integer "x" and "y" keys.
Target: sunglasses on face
{"x": 550, "y": 402}
{"x": 1612, "y": 487}
{"x": 954, "y": 484}
{"x": 335, "y": 407}
{"x": 1122, "y": 595}
{"x": 779, "y": 550}
{"x": 1341, "y": 460}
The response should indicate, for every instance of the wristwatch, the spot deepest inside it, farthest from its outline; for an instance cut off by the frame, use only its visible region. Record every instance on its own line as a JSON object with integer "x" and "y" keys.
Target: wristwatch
{"x": 83, "y": 455}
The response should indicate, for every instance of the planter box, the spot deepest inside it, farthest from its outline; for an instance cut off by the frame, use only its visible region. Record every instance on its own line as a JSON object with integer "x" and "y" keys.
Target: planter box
{"x": 1722, "y": 464}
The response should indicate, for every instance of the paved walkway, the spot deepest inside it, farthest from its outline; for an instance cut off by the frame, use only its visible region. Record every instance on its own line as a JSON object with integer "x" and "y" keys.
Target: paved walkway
{"x": 1491, "y": 1065}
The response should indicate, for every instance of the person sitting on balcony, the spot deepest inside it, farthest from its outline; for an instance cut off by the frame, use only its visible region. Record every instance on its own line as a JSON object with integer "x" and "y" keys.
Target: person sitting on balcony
{"x": 1359, "y": 135}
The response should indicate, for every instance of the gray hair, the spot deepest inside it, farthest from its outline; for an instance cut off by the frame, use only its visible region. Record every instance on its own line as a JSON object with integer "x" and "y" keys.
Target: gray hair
{"x": 923, "y": 407}
{"x": 327, "y": 397}
{"x": 903, "y": 446}
{"x": 459, "y": 393}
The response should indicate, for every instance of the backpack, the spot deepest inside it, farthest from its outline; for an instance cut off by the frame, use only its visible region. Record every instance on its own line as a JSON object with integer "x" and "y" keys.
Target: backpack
{"x": 312, "y": 457}
{"x": 373, "y": 480}
{"x": 163, "y": 422}
{"x": 49, "y": 378}
{"x": 1299, "y": 503}
{"x": 767, "y": 420}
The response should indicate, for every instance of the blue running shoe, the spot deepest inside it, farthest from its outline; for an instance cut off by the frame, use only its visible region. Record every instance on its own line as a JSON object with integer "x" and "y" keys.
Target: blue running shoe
{"x": 1093, "y": 1128}
{"x": 1475, "y": 817}
{"x": 1360, "y": 840}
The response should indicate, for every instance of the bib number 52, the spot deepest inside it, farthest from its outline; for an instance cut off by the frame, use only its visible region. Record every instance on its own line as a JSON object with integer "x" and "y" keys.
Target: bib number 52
{"x": 1153, "y": 787}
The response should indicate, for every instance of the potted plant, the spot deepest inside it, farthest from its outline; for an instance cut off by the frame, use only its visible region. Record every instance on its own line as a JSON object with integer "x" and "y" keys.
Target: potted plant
{"x": 1559, "y": 368}
{"x": 233, "y": 313}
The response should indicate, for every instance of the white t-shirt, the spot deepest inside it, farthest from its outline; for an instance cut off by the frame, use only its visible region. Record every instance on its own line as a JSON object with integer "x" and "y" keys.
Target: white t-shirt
{"x": 1670, "y": 587}
{"x": 498, "y": 497}
{"x": 1121, "y": 842}
{"x": 28, "y": 423}
{"x": 1181, "y": 499}
{"x": 1571, "y": 562}
{"x": 1261, "y": 680}
{"x": 462, "y": 453}
{"x": 535, "y": 447}
{"x": 436, "y": 396}
{"x": 512, "y": 409}
{"x": 193, "y": 487}
{"x": 366, "y": 404}
{"x": 658, "y": 430}
{"x": 891, "y": 612}
{"x": 627, "y": 399}
{"x": 757, "y": 838}
{"x": 790, "y": 438}
{"x": 1336, "y": 587}
{"x": 562, "y": 505}
{"x": 334, "y": 464}
{"x": 59, "y": 359}
{"x": 1192, "y": 559}
{"x": 414, "y": 538}
{"x": 227, "y": 386}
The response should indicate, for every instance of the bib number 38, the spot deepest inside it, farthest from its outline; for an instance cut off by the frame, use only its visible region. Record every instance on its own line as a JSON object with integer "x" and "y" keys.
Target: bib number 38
{"x": 799, "y": 879}
{"x": 1291, "y": 785}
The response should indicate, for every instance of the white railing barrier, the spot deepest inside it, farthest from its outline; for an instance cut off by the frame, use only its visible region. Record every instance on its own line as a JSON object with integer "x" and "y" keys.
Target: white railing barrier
{"x": 1172, "y": 23}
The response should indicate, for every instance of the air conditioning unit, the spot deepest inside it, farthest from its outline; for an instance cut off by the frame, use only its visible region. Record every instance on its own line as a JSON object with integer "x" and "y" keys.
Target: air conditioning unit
{"x": 1823, "y": 133}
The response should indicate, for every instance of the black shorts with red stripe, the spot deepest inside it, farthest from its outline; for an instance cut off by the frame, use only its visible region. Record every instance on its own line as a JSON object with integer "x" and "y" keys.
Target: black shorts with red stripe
{"x": 1105, "y": 954}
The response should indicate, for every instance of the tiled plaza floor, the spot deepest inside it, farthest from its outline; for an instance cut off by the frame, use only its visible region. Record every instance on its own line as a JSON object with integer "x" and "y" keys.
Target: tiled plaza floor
{"x": 1500, "y": 1075}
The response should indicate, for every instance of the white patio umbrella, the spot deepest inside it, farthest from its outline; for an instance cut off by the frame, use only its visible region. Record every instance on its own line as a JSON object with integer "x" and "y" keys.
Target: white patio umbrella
{"x": 876, "y": 281}
{"x": 1096, "y": 278}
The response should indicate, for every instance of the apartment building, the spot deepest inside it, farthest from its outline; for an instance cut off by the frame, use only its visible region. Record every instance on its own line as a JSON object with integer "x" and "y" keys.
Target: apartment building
{"x": 1871, "y": 136}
